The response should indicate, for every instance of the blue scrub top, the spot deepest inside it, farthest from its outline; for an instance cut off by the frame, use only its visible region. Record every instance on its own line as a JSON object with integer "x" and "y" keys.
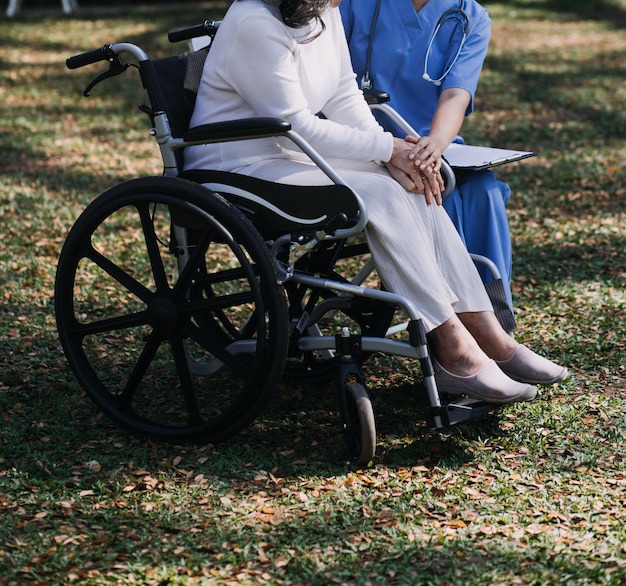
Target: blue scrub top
{"x": 399, "y": 48}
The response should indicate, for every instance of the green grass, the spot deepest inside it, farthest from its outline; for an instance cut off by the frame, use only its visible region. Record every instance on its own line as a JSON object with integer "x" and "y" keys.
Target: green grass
{"x": 532, "y": 494}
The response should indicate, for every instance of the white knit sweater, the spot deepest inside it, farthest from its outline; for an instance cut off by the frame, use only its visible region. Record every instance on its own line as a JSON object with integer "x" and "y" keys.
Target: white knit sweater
{"x": 258, "y": 66}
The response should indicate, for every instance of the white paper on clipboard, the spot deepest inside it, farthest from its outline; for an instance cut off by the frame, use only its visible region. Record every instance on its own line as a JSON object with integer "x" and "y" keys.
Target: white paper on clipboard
{"x": 476, "y": 158}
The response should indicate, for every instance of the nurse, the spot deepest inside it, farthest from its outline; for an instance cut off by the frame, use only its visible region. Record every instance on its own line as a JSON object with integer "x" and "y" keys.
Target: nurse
{"x": 428, "y": 56}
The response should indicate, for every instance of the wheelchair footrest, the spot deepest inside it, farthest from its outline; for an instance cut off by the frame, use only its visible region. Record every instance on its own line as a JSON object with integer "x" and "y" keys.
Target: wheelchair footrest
{"x": 457, "y": 411}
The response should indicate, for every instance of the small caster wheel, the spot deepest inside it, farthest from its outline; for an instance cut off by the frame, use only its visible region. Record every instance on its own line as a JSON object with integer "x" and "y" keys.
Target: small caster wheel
{"x": 359, "y": 425}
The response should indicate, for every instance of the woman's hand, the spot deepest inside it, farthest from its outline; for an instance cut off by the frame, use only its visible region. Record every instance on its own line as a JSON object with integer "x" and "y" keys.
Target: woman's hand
{"x": 402, "y": 177}
{"x": 414, "y": 177}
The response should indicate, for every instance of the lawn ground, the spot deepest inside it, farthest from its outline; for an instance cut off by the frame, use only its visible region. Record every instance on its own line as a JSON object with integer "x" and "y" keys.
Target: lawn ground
{"x": 533, "y": 494}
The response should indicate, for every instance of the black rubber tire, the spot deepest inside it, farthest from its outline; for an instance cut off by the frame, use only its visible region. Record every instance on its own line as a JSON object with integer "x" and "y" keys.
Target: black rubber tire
{"x": 359, "y": 425}
{"x": 148, "y": 338}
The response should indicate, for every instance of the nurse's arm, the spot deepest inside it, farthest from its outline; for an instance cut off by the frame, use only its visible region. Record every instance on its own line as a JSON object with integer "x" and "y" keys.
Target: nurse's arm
{"x": 449, "y": 116}
{"x": 446, "y": 124}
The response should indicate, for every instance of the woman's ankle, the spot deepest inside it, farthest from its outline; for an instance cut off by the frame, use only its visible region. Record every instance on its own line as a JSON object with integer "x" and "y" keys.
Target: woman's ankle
{"x": 455, "y": 349}
{"x": 461, "y": 365}
{"x": 489, "y": 335}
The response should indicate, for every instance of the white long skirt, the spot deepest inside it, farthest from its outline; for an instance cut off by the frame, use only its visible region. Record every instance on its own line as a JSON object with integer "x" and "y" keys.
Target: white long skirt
{"x": 416, "y": 248}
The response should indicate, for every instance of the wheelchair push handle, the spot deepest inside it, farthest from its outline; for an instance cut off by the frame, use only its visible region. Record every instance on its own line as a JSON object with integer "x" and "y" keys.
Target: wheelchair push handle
{"x": 208, "y": 27}
{"x": 104, "y": 53}
{"x": 110, "y": 54}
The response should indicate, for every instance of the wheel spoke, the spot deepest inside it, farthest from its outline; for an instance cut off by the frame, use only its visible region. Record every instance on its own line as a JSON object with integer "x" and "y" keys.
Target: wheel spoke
{"x": 213, "y": 304}
{"x": 139, "y": 370}
{"x": 120, "y": 275}
{"x": 192, "y": 266}
{"x": 186, "y": 382}
{"x": 152, "y": 246}
{"x": 112, "y": 324}
{"x": 216, "y": 347}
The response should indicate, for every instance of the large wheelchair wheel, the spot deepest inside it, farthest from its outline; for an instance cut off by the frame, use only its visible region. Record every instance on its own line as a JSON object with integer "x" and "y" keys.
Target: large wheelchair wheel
{"x": 168, "y": 311}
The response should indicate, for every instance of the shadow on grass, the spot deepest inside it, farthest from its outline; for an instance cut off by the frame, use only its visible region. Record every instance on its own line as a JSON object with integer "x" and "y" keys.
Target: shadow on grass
{"x": 599, "y": 10}
{"x": 115, "y": 519}
{"x": 213, "y": 540}
{"x": 598, "y": 259}
{"x": 153, "y": 23}
{"x": 51, "y": 428}
{"x": 307, "y": 422}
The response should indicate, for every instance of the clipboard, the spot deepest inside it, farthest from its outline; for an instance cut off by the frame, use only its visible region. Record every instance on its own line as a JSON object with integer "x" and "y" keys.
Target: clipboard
{"x": 477, "y": 158}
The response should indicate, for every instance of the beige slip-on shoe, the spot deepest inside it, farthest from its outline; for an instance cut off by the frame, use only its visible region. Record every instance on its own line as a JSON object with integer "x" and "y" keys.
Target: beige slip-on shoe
{"x": 489, "y": 384}
{"x": 527, "y": 367}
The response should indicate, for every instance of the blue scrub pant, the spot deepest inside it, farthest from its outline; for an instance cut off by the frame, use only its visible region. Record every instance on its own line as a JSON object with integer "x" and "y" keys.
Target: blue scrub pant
{"x": 477, "y": 207}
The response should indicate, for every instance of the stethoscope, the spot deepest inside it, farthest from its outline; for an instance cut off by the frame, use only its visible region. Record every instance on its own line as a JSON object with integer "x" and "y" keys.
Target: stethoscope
{"x": 458, "y": 14}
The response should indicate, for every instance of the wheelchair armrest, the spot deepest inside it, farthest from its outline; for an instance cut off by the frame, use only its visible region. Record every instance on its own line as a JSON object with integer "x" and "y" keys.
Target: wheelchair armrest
{"x": 373, "y": 96}
{"x": 243, "y": 129}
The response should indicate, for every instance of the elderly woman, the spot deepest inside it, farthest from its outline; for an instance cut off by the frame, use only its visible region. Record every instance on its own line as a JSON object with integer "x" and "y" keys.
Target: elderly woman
{"x": 289, "y": 59}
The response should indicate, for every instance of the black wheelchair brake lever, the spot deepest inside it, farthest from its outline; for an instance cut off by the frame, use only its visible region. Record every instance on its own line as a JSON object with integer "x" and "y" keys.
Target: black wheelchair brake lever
{"x": 116, "y": 66}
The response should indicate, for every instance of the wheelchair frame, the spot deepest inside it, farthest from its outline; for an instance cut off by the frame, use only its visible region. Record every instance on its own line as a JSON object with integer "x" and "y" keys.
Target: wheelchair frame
{"x": 268, "y": 327}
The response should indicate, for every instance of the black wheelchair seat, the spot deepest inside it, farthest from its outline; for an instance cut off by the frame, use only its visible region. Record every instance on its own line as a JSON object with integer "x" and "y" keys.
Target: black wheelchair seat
{"x": 277, "y": 208}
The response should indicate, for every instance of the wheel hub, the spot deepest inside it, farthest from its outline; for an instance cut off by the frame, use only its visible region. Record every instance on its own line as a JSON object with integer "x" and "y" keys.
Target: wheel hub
{"x": 163, "y": 314}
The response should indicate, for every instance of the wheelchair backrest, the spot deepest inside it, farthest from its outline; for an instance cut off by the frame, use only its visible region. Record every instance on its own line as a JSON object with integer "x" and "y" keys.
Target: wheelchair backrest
{"x": 179, "y": 79}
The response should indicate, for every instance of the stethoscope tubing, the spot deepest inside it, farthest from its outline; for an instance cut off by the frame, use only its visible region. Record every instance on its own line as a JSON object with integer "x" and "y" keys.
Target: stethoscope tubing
{"x": 457, "y": 13}
{"x": 460, "y": 15}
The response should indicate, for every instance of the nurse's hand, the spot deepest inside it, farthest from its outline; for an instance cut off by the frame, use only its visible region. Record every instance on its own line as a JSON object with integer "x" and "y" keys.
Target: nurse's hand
{"x": 426, "y": 156}
{"x": 426, "y": 152}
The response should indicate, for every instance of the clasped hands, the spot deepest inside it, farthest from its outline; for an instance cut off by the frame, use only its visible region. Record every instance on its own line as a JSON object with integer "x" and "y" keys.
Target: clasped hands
{"x": 416, "y": 163}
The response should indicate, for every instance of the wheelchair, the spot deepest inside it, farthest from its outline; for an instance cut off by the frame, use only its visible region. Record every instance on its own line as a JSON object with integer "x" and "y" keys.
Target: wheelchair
{"x": 182, "y": 300}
